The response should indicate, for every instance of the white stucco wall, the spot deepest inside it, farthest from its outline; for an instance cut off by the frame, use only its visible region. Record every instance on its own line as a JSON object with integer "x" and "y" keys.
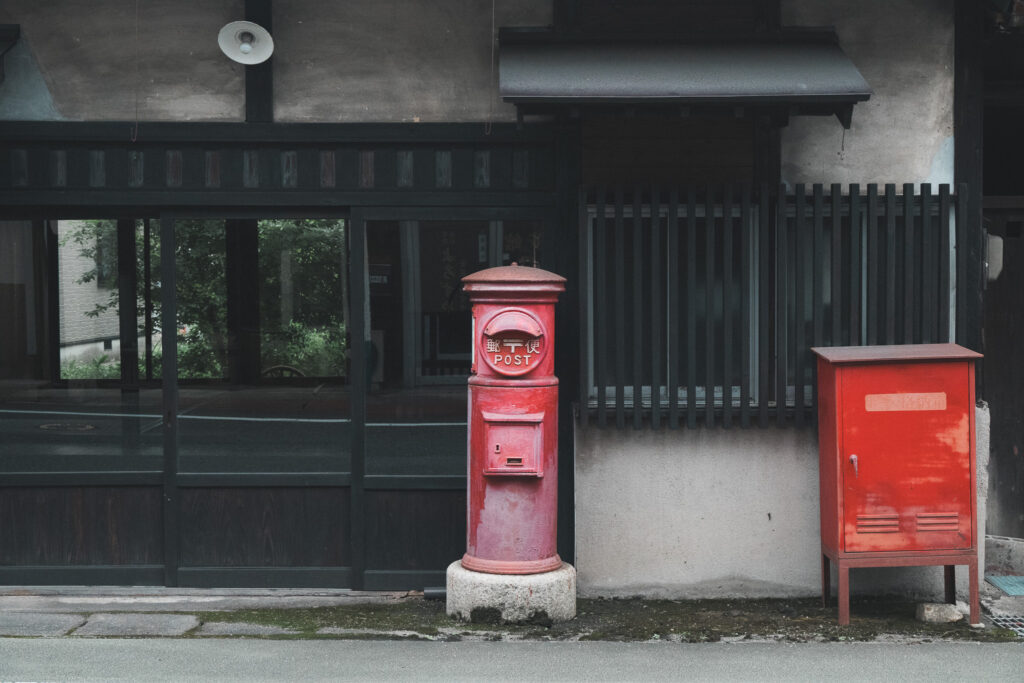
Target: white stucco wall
{"x": 357, "y": 61}
{"x": 392, "y": 60}
{"x": 904, "y": 133}
{"x": 716, "y": 513}
{"x": 87, "y": 55}
{"x": 76, "y": 298}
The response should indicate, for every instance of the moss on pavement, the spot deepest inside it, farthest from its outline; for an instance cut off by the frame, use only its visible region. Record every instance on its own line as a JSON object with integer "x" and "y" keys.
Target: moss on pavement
{"x": 802, "y": 620}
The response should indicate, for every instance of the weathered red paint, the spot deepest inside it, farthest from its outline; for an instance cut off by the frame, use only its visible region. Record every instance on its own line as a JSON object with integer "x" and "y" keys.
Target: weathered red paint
{"x": 512, "y": 511}
{"x": 897, "y": 461}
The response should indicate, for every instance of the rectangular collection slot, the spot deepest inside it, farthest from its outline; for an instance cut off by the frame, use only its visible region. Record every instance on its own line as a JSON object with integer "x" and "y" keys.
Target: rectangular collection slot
{"x": 514, "y": 443}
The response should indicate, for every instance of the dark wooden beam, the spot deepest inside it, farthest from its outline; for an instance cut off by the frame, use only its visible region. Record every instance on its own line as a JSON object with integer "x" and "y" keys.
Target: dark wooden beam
{"x": 769, "y": 15}
{"x": 358, "y": 343}
{"x": 169, "y": 370}
{"x": 968, "y": 122}
{"x": 259, "y": 78}
{"x": 46, "y": 255}
{"x": 767, "y": 150}
{"x": 243, "y": 314}
{"x": 321, "y": 134}
{"x": 561, "y": 233}
{"x": 127, "y": 310}
{"x": 565, "y": 15}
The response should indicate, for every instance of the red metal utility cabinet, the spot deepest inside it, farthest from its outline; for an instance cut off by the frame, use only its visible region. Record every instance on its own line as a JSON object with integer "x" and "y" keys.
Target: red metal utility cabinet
{"x": 513, "y": 422}
{"x": 897, "y": 462}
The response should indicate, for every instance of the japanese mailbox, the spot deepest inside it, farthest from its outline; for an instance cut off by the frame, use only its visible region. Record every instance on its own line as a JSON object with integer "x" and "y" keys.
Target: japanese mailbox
{"x": 513, "y": 422}
{"x": 897, "y": 462}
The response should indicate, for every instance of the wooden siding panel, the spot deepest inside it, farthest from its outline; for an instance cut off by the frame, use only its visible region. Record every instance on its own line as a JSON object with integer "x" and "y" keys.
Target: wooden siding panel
{"x": 19, "y": 168}
{"x": 412, "y": 530}
{"x": 385, "y": 169}
{"x": 443, "y": 169}
{"x": 136, "y": 168}
{"x": 175, "y": 168}
{"x": 661, "y": 17}
{"x": 289, "y": 169}
{"x": 521, "y": 169}
{"x": 667, "y": 150}
{"x": 213, "y": 165}
{"x": 406, "y": 168}
{"x": 328, "y": 169}
{"x": 307, "y": 168}
{"x": 97, "y": 168}
{"x": 72, "y": 525}
{"x": 367, "y": 176}
{"x": 251, "y": 168}
{"x": 264, "y": 527}
{"x": 58, "y": 168}
{"x": 117, "y": 170}
{"x": 482, "y": 169}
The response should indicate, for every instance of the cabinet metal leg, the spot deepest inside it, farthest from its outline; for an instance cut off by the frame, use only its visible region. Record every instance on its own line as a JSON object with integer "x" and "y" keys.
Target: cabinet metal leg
{"x": 826, "y": 580}
{"x": 972, "y": 579}
{"x": 844, "y": 594}
{"x": 950, "y": 583}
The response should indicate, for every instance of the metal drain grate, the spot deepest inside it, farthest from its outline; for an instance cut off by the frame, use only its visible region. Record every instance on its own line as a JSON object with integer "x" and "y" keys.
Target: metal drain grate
{"x": 1014, "y": 623}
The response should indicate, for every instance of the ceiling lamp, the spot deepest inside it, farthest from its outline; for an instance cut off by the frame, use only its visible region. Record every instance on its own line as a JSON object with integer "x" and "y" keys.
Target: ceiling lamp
{"x": 245, "y": 42}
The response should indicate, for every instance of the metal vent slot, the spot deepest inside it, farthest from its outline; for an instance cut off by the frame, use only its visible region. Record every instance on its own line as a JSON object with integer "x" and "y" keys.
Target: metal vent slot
{"x": 878, "y": 524}
{"x": 938, "y": 521}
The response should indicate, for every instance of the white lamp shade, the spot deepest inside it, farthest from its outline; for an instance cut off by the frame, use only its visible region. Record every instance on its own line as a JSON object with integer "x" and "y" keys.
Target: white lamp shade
{"x": 235, "y": 41}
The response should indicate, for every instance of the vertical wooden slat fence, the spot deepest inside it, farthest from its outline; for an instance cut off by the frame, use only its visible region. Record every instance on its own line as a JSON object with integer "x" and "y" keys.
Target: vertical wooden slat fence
{"x": 704, "y": 302}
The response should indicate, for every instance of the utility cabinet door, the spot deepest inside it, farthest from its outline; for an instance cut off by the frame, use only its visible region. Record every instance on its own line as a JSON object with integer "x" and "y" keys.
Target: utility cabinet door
{"x": 906, "y": 457}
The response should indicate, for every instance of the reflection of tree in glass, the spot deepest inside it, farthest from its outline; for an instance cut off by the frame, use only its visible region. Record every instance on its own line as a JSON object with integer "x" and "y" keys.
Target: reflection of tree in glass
{"x": 302, "y": 295}
{"x": 302, "y": 303}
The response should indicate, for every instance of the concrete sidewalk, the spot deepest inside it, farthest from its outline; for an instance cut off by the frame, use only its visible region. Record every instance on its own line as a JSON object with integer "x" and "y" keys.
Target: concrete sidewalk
{"x": 160, "y": 599}
{"x": 112, "y": 611}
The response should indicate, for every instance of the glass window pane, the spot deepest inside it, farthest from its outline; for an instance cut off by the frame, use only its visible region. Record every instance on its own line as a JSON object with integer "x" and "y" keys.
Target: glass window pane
{"x": 66, "y": 402}
{"x": 420, "y": 344}
{"x": 262, "y": 346}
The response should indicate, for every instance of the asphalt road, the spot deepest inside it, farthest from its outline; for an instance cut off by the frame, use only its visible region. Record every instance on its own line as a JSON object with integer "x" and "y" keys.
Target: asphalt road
{"x": 70, "y": 659}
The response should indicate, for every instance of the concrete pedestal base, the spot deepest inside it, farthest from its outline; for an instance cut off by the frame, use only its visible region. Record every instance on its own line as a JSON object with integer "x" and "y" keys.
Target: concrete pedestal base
{"x": 479, "y": 597}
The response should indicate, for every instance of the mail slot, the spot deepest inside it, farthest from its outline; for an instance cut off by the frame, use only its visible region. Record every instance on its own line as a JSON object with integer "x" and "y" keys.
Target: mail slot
{"x": 897, "y": 462}
{"x": 514, "y": 444}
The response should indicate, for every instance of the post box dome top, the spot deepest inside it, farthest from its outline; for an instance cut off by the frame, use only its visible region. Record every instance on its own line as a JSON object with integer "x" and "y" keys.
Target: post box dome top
{"x": 514, "y": 275}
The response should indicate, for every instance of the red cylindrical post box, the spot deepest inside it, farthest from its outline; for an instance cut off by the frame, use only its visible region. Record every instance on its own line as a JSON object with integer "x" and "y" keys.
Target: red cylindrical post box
{"x": 513, "y": 422}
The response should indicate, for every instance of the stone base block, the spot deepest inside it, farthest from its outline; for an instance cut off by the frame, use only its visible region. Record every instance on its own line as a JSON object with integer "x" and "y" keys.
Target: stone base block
{"x": 938, "y": 613}
{"x": 503, "y": 598}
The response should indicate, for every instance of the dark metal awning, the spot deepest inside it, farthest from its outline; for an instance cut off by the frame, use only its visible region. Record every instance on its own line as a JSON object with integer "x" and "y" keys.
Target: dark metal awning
{"x": 813, "y": 77}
